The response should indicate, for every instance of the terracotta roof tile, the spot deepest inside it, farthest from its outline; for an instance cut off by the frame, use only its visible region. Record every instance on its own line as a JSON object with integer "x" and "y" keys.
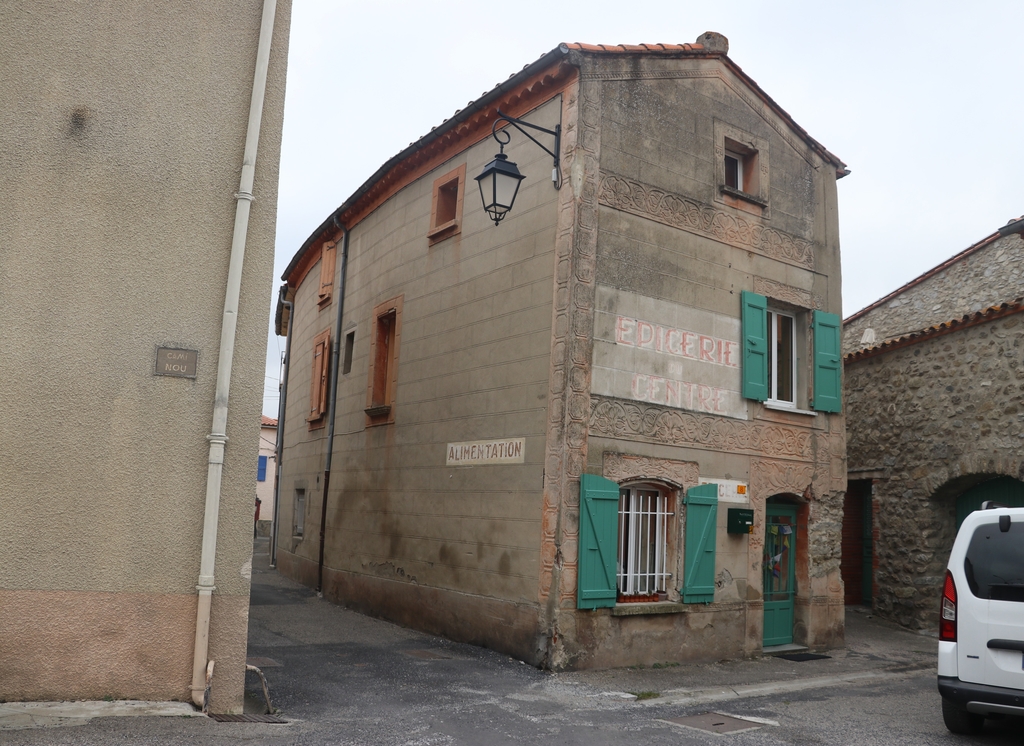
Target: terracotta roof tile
{"x": 635, "y": 48}
{"x": 972, "y": 319}
{"x": 267, "y": 421}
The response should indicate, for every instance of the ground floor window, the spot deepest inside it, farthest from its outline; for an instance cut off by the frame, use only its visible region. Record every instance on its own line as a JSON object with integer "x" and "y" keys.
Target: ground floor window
{"x": 644, "y": 516}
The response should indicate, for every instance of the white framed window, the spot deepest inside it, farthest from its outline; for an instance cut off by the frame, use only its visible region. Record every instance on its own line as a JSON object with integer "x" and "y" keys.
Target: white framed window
{"x": 782, "y": 358}
{"x": 644, "y": 516}
{"x": 734, "y": 163}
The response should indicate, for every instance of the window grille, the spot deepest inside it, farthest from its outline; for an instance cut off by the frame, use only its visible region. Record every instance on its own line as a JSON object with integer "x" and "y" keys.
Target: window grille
{"x": 643, "y": 534}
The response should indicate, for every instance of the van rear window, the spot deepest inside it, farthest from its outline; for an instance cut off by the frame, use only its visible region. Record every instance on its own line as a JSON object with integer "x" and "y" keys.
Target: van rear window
{"x": 994, "y": 564}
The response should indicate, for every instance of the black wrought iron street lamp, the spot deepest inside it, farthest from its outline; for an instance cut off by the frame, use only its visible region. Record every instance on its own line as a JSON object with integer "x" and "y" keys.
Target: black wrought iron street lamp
{"x": 500, "y": 179}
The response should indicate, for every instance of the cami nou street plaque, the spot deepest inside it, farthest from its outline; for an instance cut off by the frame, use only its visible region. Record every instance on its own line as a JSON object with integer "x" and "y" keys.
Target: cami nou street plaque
{"x": 175, "y": 362}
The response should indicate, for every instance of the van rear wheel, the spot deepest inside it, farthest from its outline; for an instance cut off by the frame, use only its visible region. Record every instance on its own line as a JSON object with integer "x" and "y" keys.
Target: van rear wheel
{"x": 959, "y": 720}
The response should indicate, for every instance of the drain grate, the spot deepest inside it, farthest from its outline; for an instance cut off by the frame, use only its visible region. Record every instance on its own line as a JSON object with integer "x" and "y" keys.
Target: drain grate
{"x": 427, "y": 655}
{"x": 801, "y": 657}
{"x": 247, "y": 718}
{"x": 714, "y": 722}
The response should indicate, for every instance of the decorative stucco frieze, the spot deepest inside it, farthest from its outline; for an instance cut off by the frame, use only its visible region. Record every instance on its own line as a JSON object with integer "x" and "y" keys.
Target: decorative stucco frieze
{"x": 788, "y": 294}
{"x": 768, "y": 477}
{"x": 571, "y": 353}
{"x": 617, "y": 418}
{"x": 696, "y": 217}
{"x": 625, "y": 467}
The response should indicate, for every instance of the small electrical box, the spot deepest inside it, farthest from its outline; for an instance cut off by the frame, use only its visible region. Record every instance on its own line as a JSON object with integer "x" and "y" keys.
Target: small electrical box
{"x": 740, "y": 521}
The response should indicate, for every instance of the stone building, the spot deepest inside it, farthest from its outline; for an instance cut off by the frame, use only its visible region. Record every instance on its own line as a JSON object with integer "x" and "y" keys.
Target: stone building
{"x": 129, "y": 162}
{"x": 606, "y": 431}
{"x": 935, "y": 418}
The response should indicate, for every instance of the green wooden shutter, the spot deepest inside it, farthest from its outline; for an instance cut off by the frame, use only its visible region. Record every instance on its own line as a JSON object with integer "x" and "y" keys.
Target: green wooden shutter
{"x": 701, "y": 530}
{"x": 828, "y": 367}
{"x": 598, "y": 545}
{"x": 754, "y": 318}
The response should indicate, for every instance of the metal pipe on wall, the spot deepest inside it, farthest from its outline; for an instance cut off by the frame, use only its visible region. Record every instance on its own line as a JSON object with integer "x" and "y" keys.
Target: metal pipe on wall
{"x": 218, "y": 436}
{"x": 333, "y": 407}
{"x": 281, "y": 407}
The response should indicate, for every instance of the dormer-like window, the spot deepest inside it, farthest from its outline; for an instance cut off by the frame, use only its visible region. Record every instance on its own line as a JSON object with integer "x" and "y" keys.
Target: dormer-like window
{"x": 741, "y": 169}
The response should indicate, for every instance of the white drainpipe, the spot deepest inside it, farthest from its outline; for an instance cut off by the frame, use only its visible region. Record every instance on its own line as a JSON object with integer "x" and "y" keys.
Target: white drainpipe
{"x": 218, "y": 436}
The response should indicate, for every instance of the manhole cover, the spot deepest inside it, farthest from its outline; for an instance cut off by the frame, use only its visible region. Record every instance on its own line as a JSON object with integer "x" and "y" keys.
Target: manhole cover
{"x": 714, "y": 722}
{"x": 262, "y": 662}
{"x": 427, "y": 655}
{"x": 247, "y": 718}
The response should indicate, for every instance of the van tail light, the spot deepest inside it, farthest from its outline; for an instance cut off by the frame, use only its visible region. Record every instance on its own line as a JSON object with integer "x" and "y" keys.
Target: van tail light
{"x": 947, "y": 617}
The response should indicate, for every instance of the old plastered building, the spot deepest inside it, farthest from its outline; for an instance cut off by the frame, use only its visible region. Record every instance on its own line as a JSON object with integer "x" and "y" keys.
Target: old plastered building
{"x": 528, "y": 416}
{"x": 935, "y": 413}
{"x": 129, "y": 152}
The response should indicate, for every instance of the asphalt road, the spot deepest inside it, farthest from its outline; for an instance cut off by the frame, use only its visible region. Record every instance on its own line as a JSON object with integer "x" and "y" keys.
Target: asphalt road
{"x": 341, "y": 678}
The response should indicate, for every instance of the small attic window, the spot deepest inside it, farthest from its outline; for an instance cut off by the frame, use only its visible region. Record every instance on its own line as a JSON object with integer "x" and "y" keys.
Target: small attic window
{"x": 446, "y": 207}
{"x": 742, "y": 169}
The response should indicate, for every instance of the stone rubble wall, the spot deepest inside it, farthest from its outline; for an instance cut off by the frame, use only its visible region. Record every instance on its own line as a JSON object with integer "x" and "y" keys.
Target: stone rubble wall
{"x": 989, "y": 276}
{"x": 934, "y": 418}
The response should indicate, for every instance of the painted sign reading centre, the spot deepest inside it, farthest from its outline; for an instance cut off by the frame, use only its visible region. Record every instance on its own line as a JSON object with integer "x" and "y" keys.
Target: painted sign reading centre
{"x": 666, "y": 353}
{"x": 505, "y": 451}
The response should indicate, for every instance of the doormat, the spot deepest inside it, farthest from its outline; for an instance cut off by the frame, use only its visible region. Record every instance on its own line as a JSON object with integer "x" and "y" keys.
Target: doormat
{"x": 801, "y": 657}
{"x": 714, "y": 722}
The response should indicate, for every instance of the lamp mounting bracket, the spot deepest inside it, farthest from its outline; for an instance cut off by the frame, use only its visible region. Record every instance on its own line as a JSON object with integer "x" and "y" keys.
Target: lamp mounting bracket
{"x": 519, "y": 124}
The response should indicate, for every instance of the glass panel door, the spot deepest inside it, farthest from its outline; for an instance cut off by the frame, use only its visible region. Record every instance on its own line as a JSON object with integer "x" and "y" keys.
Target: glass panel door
{"x": 779, "y": 574}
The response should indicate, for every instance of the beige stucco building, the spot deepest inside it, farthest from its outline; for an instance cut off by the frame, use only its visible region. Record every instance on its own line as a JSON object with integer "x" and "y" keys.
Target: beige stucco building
{"x": 125, "y": 128}
{"x": 266, "y": 473}
{"x": 531, "y": 419}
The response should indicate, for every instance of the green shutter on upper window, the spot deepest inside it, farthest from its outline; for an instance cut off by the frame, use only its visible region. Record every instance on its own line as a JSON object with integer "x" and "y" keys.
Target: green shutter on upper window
{"x": 755, "y": 346}
{"x": 598, "y": 544}
{"x": 828, "y": 366}
{"x": 701, "y": 531}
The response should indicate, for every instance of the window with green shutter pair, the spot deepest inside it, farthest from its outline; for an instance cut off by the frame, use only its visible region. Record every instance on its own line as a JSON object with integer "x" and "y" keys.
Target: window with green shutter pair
{"x": 764, "y": 366}
{"x": 598, "y": 543}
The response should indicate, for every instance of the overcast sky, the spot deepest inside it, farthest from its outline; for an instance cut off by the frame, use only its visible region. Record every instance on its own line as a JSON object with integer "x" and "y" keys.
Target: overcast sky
{"x": 920, "y": 99}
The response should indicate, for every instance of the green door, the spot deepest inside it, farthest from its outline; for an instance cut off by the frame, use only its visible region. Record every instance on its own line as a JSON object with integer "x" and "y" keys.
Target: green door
{"x": 779, "y": 574}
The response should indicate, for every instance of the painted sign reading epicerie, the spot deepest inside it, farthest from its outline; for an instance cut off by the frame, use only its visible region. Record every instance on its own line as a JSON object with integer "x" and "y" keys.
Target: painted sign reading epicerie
{"x": 678, "y": 342}
{"x": 665, "y": 353}
{"x": 505, "y": 451}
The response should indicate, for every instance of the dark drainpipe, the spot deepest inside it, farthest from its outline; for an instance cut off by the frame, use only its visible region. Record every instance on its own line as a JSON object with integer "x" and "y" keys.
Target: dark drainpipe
{"x": 280, "y": 429}
{"x": 333, "y": 407}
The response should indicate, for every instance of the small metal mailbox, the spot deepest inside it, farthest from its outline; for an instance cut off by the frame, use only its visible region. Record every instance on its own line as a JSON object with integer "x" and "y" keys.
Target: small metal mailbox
{"x": 740, "y": 521}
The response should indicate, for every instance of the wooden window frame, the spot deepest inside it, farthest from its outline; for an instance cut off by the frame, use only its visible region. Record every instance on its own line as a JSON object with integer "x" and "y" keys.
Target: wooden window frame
{"x": 320, "y": 374}
{"x": 328, "y": 254}
{"x": 446, "y": 212}
{"x": 385, "y": 341}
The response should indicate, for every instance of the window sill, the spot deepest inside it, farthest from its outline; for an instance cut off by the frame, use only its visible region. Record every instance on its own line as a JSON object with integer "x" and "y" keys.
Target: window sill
{"x": 379, "y": 410}
{"x": 651, "y": 607}
{"x": 740, "y": 194}
{"x": 792, "y": 410}
{"x": 443, "y": 231}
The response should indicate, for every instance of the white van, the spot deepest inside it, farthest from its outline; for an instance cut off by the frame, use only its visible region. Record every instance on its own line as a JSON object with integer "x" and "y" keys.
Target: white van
{"x": 981, "y": 624}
